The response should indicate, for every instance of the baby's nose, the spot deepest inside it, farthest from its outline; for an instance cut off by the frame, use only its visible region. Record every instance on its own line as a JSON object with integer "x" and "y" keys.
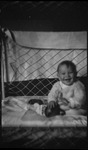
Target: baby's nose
{"x": 67, "y": 75}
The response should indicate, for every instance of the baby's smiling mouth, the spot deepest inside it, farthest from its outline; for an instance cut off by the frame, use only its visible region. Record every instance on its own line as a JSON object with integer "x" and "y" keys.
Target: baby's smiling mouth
{"x": 68, "y": 79}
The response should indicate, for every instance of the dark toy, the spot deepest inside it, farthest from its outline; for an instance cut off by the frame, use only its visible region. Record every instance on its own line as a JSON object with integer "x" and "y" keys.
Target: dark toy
{"x": 56, "y": 110}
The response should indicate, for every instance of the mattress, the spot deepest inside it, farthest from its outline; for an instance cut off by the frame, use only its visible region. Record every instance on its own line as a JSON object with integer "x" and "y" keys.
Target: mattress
{"x": 16, "y": 113}
{"x": 23, "y": 127}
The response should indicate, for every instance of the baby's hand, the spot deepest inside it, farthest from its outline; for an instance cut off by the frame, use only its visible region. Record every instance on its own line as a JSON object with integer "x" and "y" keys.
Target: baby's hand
{"x": 63, "y": 101}
{"x": 51, "y": 104}
{"x": 64, "y": 107}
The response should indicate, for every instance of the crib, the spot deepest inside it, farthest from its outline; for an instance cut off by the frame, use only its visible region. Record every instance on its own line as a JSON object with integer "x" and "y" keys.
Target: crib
{"x": 29, "y": 73}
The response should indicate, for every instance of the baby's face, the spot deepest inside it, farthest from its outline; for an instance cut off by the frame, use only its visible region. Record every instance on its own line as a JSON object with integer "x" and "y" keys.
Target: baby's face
{"x": 66, "y": 75}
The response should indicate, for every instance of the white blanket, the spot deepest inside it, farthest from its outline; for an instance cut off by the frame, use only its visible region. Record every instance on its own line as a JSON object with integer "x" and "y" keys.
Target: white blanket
{"x": 15, "y": 112}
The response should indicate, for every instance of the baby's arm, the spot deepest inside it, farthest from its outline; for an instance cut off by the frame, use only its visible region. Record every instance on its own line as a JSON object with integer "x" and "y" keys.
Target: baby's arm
{"x": 79, "y": 97}
{"x": 53, "y": 95}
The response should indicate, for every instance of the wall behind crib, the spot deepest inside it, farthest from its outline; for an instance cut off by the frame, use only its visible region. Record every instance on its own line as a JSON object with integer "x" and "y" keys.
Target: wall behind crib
{"x": 59, "y": 40}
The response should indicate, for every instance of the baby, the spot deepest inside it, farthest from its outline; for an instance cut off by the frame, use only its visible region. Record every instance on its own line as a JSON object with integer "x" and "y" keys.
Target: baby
{"x": 69, "y": 92}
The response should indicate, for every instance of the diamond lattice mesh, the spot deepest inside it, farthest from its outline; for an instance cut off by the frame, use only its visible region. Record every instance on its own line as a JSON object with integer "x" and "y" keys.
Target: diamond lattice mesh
{"x": 26, "y": 65}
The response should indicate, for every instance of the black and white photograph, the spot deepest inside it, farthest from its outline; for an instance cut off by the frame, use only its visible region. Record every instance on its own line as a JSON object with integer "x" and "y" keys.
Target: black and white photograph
{"x": 43, "y": 60}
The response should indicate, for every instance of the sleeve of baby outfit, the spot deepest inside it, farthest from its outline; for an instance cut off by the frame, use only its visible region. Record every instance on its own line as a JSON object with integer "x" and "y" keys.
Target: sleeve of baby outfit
{"x": 79, "y": 97}
{"x": 53, "y": 94}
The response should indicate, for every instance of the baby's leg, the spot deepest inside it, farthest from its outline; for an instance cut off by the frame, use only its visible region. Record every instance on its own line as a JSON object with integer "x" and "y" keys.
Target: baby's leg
{"x": 39, "y": 109}
{"x": 76, "y": 112}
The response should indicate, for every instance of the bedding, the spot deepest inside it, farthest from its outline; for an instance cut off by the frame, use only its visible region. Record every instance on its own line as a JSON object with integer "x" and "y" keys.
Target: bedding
{"x": 17, "y": 112}
{"x": 23, "y": 127}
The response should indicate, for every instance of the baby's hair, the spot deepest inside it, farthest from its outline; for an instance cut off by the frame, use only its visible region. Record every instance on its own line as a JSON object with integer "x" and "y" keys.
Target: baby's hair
{"x": 68, "y": 64}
